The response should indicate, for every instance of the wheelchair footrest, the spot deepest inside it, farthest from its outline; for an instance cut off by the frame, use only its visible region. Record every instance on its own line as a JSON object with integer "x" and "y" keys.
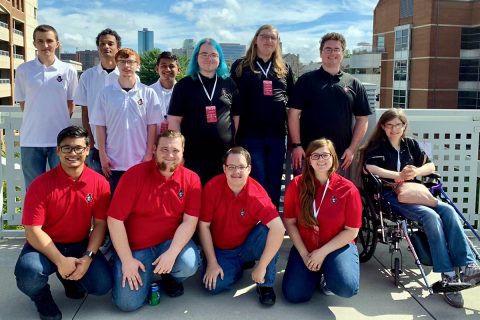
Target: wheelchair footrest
{"x": 441, "y": 286}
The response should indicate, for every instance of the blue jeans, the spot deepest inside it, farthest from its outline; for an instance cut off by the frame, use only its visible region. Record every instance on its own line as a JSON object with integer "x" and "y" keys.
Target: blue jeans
{"x": 34, "y": 161}
{"x": 340, "y": 268}
{"x": 268, "y": 156}
{"x": 446, "y": 238}
{"x": 232, "y": 260}
{"x": 93, "y": 161}
{"x": 33, "y": 268}
{"x": 186, "y": 264}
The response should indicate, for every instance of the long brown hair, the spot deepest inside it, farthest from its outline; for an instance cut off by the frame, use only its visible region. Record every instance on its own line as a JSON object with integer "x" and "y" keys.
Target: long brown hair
{"x": 279, "y": 66}
{"x": 307, "y": 183}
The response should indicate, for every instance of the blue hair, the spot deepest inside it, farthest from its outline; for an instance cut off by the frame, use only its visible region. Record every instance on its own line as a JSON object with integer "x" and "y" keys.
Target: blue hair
{"x": 193, "y": 68}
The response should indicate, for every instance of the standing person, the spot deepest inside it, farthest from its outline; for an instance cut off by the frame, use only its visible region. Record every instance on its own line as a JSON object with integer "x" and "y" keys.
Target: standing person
{"x": 44, "y": 87}
{"x": 126, "y": 116}
{"x": 239, "y": 224}
{"x": 323, "y": 104}
{"x": 393, "y": 156}
{"x": 152, "y": 218}
{"x": 323, "y": 213}
{"x": 92, "y": 81}
{"x": 205, "y": 108}
{"x": 57, "y": 215}
{"x": 167, "y": 68}
{"x": 265, "y": 82}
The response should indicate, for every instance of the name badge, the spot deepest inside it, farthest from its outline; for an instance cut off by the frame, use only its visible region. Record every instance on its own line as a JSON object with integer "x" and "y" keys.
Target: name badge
{"x": 267, "y": 88}
{"x": 211, "y": 113}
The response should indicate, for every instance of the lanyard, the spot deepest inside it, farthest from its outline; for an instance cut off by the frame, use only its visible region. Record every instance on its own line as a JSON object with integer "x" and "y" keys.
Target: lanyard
{"x": 210, "y": 97}
{"x": 315, "y": 210}
{"x": 265, "y": 73}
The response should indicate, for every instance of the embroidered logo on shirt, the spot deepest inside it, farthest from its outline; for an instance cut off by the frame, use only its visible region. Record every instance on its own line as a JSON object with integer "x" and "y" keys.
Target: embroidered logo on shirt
{"x": 333, "y": 200}
{"x": 89, "y": 198}
{"x": 243, "y": 213}
{"x": 140, "y": 102}
{"x": 59, "y": 79}
{"x": 180, "y": 194}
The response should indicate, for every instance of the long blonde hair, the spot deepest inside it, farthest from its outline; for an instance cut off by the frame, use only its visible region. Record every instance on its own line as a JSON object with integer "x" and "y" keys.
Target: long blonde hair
{"x": 279, "y": 66}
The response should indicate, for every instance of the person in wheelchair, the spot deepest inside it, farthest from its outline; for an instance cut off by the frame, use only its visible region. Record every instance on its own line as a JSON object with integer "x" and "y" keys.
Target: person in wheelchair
{"x": 322, "y": 215}
{"x": 396, "y": 158}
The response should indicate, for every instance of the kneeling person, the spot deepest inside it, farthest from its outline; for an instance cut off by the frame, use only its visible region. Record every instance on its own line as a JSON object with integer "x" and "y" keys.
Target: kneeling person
{"x": 239, "y": 224}
{"x": 57, "y": 216}
{"x": 152, "y": 218}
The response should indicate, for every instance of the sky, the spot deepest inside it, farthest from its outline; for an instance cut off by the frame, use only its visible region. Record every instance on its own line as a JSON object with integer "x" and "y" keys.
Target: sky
{"x": 301, "y": 23}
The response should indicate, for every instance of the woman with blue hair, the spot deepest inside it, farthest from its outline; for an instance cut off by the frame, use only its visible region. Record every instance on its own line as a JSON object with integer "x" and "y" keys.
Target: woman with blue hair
{"x": 205, "y": 108}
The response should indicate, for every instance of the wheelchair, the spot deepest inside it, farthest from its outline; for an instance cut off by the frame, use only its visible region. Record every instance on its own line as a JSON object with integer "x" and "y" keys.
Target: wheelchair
{"x": 381, "y": 224}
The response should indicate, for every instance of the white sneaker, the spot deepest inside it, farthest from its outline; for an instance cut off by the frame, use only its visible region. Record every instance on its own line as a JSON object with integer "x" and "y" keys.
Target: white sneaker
{"x": 323, "y": 287}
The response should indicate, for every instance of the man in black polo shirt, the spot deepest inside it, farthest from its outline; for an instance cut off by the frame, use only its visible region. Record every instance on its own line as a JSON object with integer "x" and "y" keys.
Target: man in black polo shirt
{"x": 323, "y": 104}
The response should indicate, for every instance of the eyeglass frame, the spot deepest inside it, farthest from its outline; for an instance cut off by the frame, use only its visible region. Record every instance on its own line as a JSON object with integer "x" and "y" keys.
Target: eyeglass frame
{"x": 233, "y": 168}
{"x": 329, "y": 50}
{"x": 266, "y": 37}
{"x": 316, "y": 156}
{"x": 76, "y": 149}
{"x": 127, "y": 62}
{"x": 205, "y": 55}
{"x": 391, "y": 126}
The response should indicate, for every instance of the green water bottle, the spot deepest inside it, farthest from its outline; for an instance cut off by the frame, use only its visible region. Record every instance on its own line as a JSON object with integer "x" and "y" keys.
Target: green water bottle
{"x": 154, "y": 295}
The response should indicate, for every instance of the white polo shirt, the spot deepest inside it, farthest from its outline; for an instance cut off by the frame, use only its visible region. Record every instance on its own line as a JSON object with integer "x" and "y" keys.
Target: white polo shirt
{"x": 45, "y": 91}
{"x": 91, "y": 83}
{"x": 126, "y": 116}
{"x": 164, "y": 95}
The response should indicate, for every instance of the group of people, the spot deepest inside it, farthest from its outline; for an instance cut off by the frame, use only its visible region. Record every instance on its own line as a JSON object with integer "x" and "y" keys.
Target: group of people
{"x": 171, "y": 159}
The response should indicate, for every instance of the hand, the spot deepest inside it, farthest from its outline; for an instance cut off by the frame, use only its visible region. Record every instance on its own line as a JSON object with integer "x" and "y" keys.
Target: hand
{"x": 130, "y": 273}
{"x": 347, "y": 158}
{"x": 82, "y": 266}
{"x": 315, "y": 260}
{"x": 67, "y": 266}
{"x": 298, "y": 154}
{"x": 305, "y": 258}
{"x": 211, "y": 274}
{"x": 147, "y": 157}
{"x": 106, "y": 164}
{"x": 409, "y": 172}
{"x": 164, "y": 263}
{"x": 258, "y": 274}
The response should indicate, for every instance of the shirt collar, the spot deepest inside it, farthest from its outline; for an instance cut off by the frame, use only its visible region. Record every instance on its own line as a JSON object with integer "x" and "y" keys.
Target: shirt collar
{"x": 175, "y": 177}
{"x": 325, "y": 74}
{"x": 100, "y": 69}
{"x": 119, "y": 87}
{"x": 64, "y": 177}
{"x": 55, "y": 65}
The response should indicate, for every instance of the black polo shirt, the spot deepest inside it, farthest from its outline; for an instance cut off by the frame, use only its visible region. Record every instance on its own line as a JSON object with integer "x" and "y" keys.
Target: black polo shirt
{"x": 262, "y": 115}
{"x": 328, "y": 104}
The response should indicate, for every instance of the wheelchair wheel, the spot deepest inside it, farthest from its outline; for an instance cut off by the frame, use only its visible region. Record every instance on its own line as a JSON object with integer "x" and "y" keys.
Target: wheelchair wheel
{"x": 367, "y": 236}
{"x": 396, "y": 271}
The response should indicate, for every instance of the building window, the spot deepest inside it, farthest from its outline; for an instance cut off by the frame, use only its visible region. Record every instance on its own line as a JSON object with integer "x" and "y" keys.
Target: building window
{"x": 470, "y": 38}
{"x": 469, "y": 70}
{"x": 381, "y": 43}
{"x": 469, "y": 99}
{"x": 401, "y": 40}
{"x": 406, "y": 8}
{"x": 400, "y": 99}
{"x": 400, "y": 70}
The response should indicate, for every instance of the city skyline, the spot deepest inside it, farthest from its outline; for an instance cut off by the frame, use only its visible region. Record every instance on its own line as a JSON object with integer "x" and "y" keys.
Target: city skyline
{"x": 301, "y": 23}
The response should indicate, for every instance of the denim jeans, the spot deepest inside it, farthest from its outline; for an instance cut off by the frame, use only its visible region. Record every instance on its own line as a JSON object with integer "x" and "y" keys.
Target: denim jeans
{"x": 340, "y": 268}
{"x": 446, "y": 238}
{"x": 93, "y": 161}
{"x": 114, "y": 179}
{"x": 33, "y": 268}
{"x": 34, "y": 161}
{"x": 232, "y": 260}
{"x": 268, "y": 156}
{"x": 186, "y": 264}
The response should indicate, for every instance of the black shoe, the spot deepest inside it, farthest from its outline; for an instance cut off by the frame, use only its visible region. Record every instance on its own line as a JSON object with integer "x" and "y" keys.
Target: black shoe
{"x": 73, "y": 289}
{"x": 266, "y": 295}
{"x": 248, "y": 265}
{"x": 46, "y": 307}
{"x": 171, "y": 286}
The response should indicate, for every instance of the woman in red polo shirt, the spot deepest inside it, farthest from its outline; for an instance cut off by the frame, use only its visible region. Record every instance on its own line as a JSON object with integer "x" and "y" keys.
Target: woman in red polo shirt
{"x": 322, "y": 214}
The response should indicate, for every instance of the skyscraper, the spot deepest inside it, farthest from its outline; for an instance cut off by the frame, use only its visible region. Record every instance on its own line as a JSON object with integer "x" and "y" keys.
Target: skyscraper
{"x": 145, "y": 40}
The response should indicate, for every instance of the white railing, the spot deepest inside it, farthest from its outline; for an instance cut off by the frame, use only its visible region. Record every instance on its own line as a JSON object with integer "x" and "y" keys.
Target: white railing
{"x": 450, "y": 137}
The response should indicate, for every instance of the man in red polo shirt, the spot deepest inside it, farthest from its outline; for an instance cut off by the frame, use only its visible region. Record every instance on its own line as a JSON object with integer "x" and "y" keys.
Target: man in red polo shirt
{"x": 57, "y": 216}
{"x": 152, "y": 218}
{"x": 238, "y": 224}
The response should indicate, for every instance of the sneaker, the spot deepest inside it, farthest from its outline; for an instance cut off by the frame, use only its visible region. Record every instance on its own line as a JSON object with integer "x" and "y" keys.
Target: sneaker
{"x": 46, "y": 307}
{"x": 266, "y": 295}
{"x": 323, "y": 287}
{"x": 455, "y": 299}
{"x": 471, "y": 274}
{"x": 171, "y": 286}
{"x": 73, "y": 289}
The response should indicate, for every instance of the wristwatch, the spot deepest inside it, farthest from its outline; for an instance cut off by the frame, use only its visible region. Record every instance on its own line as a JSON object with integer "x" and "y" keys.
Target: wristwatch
{"x": 294, "y": 145}
{"x": 89, "y": 254}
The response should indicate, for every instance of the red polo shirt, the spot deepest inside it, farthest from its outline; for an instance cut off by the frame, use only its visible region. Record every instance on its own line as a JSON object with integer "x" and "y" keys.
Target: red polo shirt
{"x": 341, "y": 207}
{"x": 151, "y": 206}
{"x": 65, "y": 207}
{"x": 233, "y": 217}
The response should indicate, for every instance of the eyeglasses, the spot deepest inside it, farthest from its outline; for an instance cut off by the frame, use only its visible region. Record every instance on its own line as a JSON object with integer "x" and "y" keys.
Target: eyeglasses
{"x": 324, "y": 156}
{"x": 127, "y": 62}
{"x": 330, "y": 50}
{"x": 391, "y": 126}
{"x": 205, "y": 55}
{"x": 267, "y": 37}
{"x": 68, "y": 149}
{"x": 231, "y": 167}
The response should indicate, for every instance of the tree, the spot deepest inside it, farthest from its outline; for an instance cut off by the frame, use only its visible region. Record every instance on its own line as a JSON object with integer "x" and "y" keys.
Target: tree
{"x": 147, "y": 72}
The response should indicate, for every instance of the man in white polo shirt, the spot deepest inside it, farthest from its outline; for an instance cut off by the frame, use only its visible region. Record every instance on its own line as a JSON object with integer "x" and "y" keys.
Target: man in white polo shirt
{"x": 92, "y": 82}
{"x": 44, "y": 87}
{"x": 125, "y": 115}
{"x": 167, "y": 68}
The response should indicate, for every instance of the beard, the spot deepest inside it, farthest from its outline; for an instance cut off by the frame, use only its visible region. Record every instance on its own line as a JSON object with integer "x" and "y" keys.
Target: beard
{"x": 163, "y": 166}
